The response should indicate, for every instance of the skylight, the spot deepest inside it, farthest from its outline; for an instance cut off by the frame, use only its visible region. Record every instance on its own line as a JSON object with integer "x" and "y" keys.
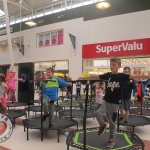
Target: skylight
{"x": 1, "y": 13}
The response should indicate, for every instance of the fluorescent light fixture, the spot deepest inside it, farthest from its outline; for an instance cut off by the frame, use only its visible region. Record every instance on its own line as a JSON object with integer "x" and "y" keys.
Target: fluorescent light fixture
{"x": 1, "y": 13}
{"x": 103, "y": 4}
{"x": 30, "y": 23}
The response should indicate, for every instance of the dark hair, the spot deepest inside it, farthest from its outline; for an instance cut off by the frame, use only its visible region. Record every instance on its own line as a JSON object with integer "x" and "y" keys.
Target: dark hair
{"x": 2, "y": 77}
{"x": 51, "y": 69}
{"x": 116, "y": 60}
{"x": 127, "y": 68}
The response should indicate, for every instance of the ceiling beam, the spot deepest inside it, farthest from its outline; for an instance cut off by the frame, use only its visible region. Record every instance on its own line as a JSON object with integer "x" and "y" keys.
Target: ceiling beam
{"x": 11, "y": 2}
{"x": 28, "y": 5}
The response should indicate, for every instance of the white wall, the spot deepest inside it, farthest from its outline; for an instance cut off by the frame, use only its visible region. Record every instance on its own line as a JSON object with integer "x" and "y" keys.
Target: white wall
{"x": 122, "y": 27}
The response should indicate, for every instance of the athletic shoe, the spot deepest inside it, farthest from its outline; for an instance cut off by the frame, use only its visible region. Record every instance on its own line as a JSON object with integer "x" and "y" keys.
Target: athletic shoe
{"x": 102, "y": 128}
{"x": 120, "y": 119}
{"x": 50, "y": 125}
{"x": 125, "y": 121}
{"x": 110, "y": 143}
{"x": 44, "y": 117}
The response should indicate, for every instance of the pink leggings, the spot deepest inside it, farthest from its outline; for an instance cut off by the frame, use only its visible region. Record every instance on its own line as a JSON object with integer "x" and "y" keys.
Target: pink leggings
{"x": 11, "y": 93}
{"x": 3, "y": 102}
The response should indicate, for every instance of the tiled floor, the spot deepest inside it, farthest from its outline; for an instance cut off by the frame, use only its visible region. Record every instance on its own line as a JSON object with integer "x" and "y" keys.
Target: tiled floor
{"x": 18, "y": 139}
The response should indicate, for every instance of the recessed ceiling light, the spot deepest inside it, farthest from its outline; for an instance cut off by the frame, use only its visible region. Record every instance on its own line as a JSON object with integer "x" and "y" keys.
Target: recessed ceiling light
{"x": 14, "y": 41}
{"x": 3, "y": 43}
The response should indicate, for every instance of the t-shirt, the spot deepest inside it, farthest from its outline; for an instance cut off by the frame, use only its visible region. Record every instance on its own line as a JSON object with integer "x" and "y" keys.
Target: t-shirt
{"x": 78, "y": 86}
{"x": 2, "y": 89}
{"x": 114, "y": 86}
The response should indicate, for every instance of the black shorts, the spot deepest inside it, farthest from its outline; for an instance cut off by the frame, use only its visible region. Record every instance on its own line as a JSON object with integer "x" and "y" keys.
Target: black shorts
{"x": 139, "y": 98}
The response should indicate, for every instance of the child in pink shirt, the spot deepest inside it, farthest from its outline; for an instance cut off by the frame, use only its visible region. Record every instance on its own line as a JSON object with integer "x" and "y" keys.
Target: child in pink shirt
{"x": 11, "y": 83}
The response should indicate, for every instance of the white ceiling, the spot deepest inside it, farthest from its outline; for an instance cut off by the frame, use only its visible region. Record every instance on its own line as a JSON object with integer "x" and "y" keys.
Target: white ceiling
{"x": 26, "y": 4}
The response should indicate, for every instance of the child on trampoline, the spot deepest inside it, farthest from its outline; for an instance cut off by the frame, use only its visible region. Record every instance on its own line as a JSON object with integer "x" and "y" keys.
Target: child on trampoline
{"x": 112, "y": 98}
{"x": 3, "y": 90}
{"x": 98, "y": 93}
{"x": 50, "y": 94}
{"x": 11, "y": 84}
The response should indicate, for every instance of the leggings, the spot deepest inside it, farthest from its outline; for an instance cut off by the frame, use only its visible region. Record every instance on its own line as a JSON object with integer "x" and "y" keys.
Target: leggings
{"x": 11, "y": 94}
{"x": 3, "y": 102}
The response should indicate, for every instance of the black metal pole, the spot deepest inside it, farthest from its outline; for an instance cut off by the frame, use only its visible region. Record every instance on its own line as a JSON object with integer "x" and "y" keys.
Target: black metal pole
{"x": 118, "y": 120}
{"x": 71, "y": 102}
{"x": 84, "y": 119}
{"x": 42, "y": 112}
{"x": 141, "y": 97}
{"x": 91, "y": 97}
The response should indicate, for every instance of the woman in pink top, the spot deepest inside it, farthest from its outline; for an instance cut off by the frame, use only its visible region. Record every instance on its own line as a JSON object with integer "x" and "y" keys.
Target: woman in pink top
{"x": 11, "y": 83}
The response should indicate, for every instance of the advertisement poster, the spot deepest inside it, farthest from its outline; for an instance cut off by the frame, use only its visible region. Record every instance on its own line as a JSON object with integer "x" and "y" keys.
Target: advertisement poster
{"x": 47, "y": 40}
{"x": 60, "y": 37}
{"x": 41, "y": 40}
{"x": 54, "y": 38}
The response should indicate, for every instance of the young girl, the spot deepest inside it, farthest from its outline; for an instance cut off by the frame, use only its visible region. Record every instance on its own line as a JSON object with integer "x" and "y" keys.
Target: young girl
{"x": 3, "y": 89}
{"x": 98, "y": 93}
{"x": 11, "y": 83}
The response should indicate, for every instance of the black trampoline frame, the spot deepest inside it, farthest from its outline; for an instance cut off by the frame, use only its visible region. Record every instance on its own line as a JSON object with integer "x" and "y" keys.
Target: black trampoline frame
{"x": 27, "y": 126}
{"x": 72, "y": 133}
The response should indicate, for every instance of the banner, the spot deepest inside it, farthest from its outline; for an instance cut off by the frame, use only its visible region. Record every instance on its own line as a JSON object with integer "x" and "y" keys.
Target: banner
{"x": 54, "y": 38}
{"x": 116, "y": 49}
{"x": 73, "y": 40}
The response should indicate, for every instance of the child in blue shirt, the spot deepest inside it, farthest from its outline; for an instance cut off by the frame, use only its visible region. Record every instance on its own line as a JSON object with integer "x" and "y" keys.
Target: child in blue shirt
{"x": 50, "y": 94}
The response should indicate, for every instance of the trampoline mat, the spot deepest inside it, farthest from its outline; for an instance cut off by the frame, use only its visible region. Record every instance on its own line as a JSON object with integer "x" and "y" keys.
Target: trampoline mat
{"x": 145, "y": 112}
{"x": 37, "y": 101}
{"x": 76, "y": 113}
{"x": 13, "y": 114}
{"x": 67, "y": 104}
{"x": 123, "y": 140}
{"x": 38, "y": 108}
{"x": 136, "y": 121}
{"x": 58, "y": 123}
{"x": 16, "y": 104}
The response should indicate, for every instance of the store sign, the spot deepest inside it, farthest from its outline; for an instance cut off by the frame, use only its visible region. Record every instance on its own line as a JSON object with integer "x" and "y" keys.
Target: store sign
{"x": 115, "y": 49}
{"x": 137, "y": 71}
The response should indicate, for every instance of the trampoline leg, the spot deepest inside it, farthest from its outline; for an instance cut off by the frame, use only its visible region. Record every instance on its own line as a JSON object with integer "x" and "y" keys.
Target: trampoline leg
{"x": 14, "y": 122}
{"x": 67, "y": 146}
{"x": 58, "y": 136}
{"x": 41, "y": 134}
{"x": 133, "y": 130}
{"x": 27, "y": 135}
{"x": 24, "y": 129}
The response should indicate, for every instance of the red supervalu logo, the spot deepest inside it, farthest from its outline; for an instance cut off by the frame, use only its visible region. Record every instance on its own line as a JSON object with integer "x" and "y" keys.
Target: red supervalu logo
{"x": 6, "y": 128}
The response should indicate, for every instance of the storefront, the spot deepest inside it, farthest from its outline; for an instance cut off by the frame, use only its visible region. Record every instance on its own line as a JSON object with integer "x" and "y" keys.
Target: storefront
{"x": 133, "y": 53}
{"x": 61, "y": 68}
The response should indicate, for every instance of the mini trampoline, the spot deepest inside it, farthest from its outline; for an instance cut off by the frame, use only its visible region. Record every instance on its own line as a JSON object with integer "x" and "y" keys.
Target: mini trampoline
{"x": 16, "y": 104}
{"x": 136, "y": 121}
{"x": 76, "y": 114}
{"x": 123, "y": 141}
{"x": 13, "y": 114}
{"x": 58, "y": 124}
{"x": 38, "y": 109}
{"x": 145, "y": 112}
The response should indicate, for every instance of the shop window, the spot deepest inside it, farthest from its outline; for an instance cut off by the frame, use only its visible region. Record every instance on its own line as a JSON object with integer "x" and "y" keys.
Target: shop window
{"x": 12, "y": 20}
{"x": 68, "y": 4}
{"x": 56, "y": 8}
{"x": 48, "y": 10}
{"x": 40, "y": 13}
{"x": 87, "y": 2}
{"x": 25, "y": 17}
{"x": 76, "y": 3}
{"x": 1, "y": 24}
{"x": 18, "y": 19}
{"x": 50, "y": 38}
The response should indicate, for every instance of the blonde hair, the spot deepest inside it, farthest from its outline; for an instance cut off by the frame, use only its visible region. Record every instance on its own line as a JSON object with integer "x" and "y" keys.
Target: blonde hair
{"x": 116, "y": 60}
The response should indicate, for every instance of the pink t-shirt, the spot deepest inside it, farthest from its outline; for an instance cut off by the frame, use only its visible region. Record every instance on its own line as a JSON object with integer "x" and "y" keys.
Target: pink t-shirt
{"x": 12, "y": 83}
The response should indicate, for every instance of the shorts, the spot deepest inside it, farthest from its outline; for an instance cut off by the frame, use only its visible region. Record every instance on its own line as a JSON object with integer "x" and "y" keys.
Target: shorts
{"x": 3, "y": 102}
{"x": 139, "y": 99}
{"x": 125, "y": 105}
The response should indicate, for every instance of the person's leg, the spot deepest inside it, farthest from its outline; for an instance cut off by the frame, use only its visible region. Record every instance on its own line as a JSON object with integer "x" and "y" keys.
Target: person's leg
{"x": 139, "y": 104}
{"x": 13, "y": 98}
{"x": 45, "y": 108}
{"x": 100, "y": 113}
{"x": 3, "y": 102}
{"x": 112, "y": 116}
{"x": 127, "y": 107}
{"x": 51, "y": 112}
{"x": 121, "y": 106}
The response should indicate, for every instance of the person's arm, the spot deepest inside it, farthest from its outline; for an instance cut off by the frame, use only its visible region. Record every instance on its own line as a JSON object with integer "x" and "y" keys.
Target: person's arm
{"x": 132, "y": 84}
{"x": 63, "y": 83}
{"x": 138, "y": 76}
{"x": 17, "y": 79}
{"x": 91, "y": 77}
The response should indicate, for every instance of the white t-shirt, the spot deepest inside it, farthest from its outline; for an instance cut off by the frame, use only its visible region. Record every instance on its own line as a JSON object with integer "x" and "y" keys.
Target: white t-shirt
{"x": 2, "y": 89}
